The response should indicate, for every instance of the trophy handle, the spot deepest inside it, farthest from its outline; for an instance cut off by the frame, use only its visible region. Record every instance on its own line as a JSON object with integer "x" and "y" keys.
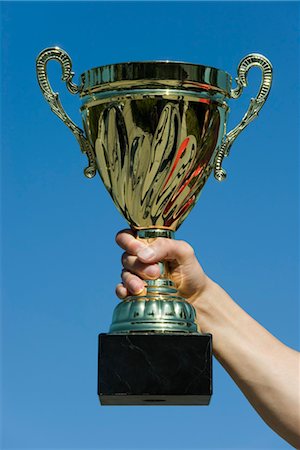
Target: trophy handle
{"x": 52, "y": 98}
{"x": 255, "y": 106}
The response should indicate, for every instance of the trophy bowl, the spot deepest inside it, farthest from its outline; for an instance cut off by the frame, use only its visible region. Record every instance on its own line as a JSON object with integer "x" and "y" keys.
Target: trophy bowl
{"x": 154, "y": 131}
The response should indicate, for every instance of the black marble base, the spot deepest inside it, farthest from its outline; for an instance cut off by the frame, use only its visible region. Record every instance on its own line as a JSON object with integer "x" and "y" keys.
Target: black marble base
{"x": 155, "y": 369}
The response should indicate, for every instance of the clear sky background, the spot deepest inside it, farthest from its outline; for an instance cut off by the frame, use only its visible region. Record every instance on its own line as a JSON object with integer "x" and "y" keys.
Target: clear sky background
{"x": 60, "y": 263}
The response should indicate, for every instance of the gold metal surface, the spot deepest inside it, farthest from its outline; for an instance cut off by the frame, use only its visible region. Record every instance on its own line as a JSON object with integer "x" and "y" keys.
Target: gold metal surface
{"x": 155, "y": 74}
{"x": 253, "y": 60}
{"x": 57, "y": 54}
{"x": 154, "y": 153}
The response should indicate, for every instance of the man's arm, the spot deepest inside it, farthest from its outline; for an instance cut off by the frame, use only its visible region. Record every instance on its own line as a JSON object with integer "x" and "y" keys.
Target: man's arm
{"x": 266, "y": 370}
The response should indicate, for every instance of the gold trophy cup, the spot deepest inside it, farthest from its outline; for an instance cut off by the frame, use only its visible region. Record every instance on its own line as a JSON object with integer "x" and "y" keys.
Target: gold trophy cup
{"x": 154, "y": 131}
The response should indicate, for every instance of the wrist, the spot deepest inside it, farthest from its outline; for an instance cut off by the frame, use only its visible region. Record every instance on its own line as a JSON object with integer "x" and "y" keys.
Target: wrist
{"x": 215, "y": 309}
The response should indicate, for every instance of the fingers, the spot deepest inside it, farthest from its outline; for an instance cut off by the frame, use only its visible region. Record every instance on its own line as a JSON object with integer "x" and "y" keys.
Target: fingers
{"x": 146, "y": 271}
{"x": 159, "y": 250}
{"x": 133, "y": 284}
{"x": 133, "y": 268}
{"x": 126, "y": 240}
{"x": 166, "y": 250}
{"x": 140, "y": 263}
{"x": 121, "y": 291}
{"x": 133, "y": 274}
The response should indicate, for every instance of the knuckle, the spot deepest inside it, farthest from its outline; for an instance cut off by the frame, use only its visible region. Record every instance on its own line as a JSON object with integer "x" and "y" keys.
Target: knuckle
{"x": 124, "y": 274}
{"x": 136, "y": 245}
{"x": 124, "y": 231}
{"x": 129, "y": 262}
{"x": 124, "y": 237}
{"x": 124, "y": 258}
{"x": 119, "y": 236}
{"x": 117, "y": 290}
{"x": 159, "y": 243}
{"x": 186, "y": 249}
{"x": 163, "y": 247}
{"x": 121, "y": 292}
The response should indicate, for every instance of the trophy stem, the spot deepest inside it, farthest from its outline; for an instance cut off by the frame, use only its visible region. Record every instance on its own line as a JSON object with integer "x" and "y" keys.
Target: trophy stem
{"x": 161, "y": 309}
{"x": 162, "y": 285}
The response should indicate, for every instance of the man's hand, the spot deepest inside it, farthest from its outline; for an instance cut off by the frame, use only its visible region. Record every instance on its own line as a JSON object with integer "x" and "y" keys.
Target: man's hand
{"x": 140, "y": 262}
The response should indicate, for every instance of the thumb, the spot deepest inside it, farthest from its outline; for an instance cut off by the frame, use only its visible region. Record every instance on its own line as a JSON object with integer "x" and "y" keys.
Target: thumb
{"x": 163, "y": 249}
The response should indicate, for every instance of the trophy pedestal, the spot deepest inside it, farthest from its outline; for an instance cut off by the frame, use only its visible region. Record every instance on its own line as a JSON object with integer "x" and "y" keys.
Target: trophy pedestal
{"x": 155, "y": 369}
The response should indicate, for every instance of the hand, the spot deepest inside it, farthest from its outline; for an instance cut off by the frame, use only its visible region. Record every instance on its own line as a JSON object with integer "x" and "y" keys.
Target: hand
{"x": 140, "y": 263}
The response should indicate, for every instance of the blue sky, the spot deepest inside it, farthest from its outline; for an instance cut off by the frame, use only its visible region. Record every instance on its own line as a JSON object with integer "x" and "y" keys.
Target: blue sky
{"x": 60, "y": 263}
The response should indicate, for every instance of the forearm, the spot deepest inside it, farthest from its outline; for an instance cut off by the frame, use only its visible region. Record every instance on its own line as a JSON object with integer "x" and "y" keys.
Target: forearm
{"x": 264, "y": 369}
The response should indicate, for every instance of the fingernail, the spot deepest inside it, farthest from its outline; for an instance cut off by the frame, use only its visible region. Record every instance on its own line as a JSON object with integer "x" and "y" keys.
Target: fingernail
{"x": 152, "y": 271}
{"x": 145, "y": 253}
{"x": 136, "y": 288}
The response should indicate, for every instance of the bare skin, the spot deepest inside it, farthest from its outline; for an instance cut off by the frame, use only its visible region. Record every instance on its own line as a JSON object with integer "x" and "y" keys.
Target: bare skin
{"x": 266, "y": 370}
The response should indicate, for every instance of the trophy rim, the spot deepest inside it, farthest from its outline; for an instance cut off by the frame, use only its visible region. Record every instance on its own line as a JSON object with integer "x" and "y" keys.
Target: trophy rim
{"x": 158, "y": 71}
{"x": 158, "y": 61}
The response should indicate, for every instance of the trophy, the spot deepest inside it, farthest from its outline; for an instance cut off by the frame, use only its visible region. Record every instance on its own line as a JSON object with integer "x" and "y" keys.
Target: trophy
{"x": 154, "y": 131}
